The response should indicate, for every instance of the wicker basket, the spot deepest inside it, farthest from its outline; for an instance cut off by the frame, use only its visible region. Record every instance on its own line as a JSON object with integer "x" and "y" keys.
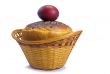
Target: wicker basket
{"x": 47, "y": 55}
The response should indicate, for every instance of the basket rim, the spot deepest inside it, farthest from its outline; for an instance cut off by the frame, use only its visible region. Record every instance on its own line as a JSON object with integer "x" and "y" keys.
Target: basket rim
{"x": 18, "y": 38}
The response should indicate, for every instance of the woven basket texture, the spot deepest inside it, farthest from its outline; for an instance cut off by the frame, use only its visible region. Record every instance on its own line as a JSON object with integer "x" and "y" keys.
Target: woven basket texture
{"x": 47, "y": 56}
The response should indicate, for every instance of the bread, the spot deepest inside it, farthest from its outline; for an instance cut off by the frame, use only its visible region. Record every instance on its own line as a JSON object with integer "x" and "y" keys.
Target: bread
{"x": 45, "y": 30}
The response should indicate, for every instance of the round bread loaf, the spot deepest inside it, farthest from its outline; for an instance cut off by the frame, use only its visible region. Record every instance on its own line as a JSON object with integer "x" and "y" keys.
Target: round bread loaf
{"x": 45, "y": 30}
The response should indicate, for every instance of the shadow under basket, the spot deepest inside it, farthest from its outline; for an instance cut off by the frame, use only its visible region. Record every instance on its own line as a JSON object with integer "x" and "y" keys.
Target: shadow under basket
{"x": 47, "y": 55}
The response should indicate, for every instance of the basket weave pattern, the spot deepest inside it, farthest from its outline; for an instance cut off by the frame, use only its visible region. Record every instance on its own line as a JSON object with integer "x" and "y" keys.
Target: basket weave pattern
{"x": 50, "y": 55}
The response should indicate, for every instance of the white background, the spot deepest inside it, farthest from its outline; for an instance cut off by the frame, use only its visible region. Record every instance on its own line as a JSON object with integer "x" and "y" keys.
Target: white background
{"x": 91, "y": 54}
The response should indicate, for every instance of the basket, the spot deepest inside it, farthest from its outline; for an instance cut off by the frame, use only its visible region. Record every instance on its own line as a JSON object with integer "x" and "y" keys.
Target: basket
{"x": 47, "y": 55}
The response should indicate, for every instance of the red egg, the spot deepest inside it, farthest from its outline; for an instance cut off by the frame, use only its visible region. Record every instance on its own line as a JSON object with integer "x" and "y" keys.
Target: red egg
{"x": 48, "y": 13}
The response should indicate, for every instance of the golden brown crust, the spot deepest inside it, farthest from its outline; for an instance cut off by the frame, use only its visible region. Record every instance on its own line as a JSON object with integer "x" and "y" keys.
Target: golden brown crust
{"x": 45, "y": 30}
{"x": 48, "y": 25}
